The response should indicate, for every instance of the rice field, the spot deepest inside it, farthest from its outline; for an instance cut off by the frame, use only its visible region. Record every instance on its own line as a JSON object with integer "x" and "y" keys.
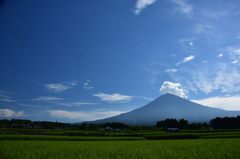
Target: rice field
{"x": 146, "y": 149}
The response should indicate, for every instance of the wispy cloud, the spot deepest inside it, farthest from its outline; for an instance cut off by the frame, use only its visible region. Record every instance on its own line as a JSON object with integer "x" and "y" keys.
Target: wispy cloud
{"x": 48, "y": 99}
{"x": 173, "y": 88}
{"x": 76, "y": 104}
{"x": 220, "y": 10}
{"x": 203, "y": 28}
{"x": 57, "y": 87}
{"x": 58, "y": 101}
{"x": 8, "y": 113}
{"x": 223, "y": 78}
{"x": 234, "y": 53}
{"x": 154, "y": 69}
{"x": 223, "y": 102}
{"x": 115, "y": 97}
{"x": 5, "y": 97}
{"x": 145, "y": 98}
{"x": 183, "y": 7}
{"x": 186, "y": 59}
{"x": 171, "y": 70}
{"x": 87, "y": 85}
{"x": 186, "y": 42}
{"x": 30, "y": 105}
{"x": 73, "y": 83}
{"x": 220, "y": 55}
{"x": 82, "y": 116}
{"x": 208, "y": 32}
{"x": 60, "y": 87}
{"x": 227, "y": 79}
{"x": 142, "y": 4}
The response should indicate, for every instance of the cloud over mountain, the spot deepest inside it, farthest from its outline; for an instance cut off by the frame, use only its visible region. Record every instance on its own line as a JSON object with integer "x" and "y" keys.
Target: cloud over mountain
{"x": 172, "y": 88}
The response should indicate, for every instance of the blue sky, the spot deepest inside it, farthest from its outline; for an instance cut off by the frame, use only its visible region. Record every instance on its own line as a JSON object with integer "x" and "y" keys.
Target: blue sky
{"x": 75, "y": 60}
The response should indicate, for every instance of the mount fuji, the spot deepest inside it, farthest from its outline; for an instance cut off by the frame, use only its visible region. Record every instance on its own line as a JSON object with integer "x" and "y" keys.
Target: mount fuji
{"x": 168, "y": 106}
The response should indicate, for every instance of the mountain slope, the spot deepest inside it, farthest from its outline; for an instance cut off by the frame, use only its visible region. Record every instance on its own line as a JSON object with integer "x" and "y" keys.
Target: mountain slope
{"x": 169, "y": 106}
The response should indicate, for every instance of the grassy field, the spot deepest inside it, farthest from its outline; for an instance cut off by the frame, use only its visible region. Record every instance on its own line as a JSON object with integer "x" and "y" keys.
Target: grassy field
{"x": 28, "y": 134}
{"x": 153, "y": 144}
{"x": 67, "y": 138}
{"x": 165, "y": 149}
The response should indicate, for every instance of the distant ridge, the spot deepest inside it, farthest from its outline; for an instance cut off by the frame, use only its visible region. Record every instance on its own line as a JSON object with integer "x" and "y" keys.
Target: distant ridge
{"x": 169, "y": 106}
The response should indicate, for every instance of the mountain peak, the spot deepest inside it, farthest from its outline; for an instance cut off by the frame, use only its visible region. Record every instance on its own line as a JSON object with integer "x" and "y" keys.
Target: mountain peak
{"x": 169, "y": 106}
{"x": 171, "y": 95}
{"x": 169, "y": 98}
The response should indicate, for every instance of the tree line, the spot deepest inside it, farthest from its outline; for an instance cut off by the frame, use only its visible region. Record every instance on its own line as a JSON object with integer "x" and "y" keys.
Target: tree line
{"x": 226, "y": 123}
{"x": 216, "y": 123}
{"x": 28, "y": 124}
{"x": 181, "y": 124}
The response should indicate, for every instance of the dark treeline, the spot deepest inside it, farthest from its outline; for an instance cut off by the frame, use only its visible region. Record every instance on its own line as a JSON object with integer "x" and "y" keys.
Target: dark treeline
{"x": 216, "y": 123}
{"x": 28, "y": 124}
{"x": 19, "y": 123}
{"x": 226, "y": 123}
{"x": 181, "y": 124}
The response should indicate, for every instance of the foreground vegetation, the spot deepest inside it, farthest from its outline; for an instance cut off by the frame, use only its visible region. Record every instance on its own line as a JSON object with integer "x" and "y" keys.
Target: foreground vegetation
{"x": 167, "y": 149}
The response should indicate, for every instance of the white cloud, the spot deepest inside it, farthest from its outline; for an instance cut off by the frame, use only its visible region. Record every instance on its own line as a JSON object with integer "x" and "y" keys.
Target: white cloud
{"x": 48, "y": 99}
{"x": 173, "y": 88}
{"x": 220, "y": 55}
{"x": 142, "y": 4}
{"x": 61, "y": 87}
{"x": 87, "y": 85}
{"x": 8, "y": 113}
{"x": 115, "y": 97}
{"x": 227, "y": 103}
{"x": 186, "y": 59}
{"x": 83, "y": 116}
{"x": 183, "y": 6}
